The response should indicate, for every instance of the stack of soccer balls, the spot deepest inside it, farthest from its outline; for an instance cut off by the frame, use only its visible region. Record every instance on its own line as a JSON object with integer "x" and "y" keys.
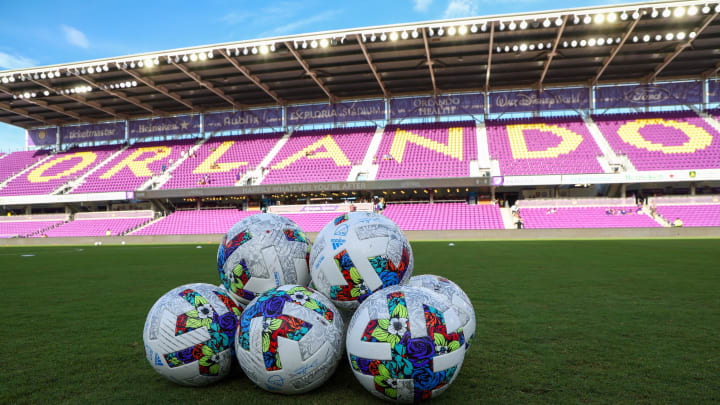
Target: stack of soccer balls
{"x": 405, "y": 341}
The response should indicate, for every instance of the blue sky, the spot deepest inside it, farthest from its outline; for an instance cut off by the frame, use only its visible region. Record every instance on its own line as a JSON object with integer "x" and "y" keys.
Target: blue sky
{"x": 53, "y": 32}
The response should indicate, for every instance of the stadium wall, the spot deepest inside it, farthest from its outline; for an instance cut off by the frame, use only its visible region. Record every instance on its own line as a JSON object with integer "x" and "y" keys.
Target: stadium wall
{"x": 505, "y": 234}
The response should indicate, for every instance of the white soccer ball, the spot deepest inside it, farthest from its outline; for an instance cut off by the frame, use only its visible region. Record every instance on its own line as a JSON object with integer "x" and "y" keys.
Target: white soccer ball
{"x": 189, "y": 334}
{"x": 455, "y": 295}
{"x": 359, "y": 253}
{"x": 405, "y": 344}
{"x": 122, "y": 243}
{"x": 261, "y": 252}
{"x": 290, "y": 339}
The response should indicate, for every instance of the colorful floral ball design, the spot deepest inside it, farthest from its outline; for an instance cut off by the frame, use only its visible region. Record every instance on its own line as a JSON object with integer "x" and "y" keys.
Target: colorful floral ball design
{"x": 290, "y": 339}
{"x": 455, "y": 295}
{"x": 406, "y": 344}
{"x": 189, "y": 334}
{"x": 357, "y": 254}
{"x": 261, "y": 252}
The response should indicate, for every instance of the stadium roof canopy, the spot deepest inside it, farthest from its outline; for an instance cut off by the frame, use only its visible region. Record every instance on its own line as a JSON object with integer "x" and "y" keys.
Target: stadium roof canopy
{"x": 639, "y": 42}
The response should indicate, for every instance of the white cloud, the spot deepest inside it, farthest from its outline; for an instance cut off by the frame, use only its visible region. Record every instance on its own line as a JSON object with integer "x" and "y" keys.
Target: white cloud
{"x": 294, "y": 26}
{"x": 75, "y": 37}
{"x": 421, "y": 5}
{"x": 461, "y": 8}
{"x": 8, "y": 61}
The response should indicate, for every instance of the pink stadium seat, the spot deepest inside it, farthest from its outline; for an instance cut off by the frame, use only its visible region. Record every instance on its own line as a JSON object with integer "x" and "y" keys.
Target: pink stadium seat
{"x": 319, "y": 155}
{"x": 692, "y": 214}
{"x": 195, "y": 222}
{"x": 585, "y": 217}
{"x": 444, "y": 216}
{"x": 536, "y": 146}
{"x": 16, "y": 162}
{"x": 676, "y": 140}
{"x": 427, "y": 150}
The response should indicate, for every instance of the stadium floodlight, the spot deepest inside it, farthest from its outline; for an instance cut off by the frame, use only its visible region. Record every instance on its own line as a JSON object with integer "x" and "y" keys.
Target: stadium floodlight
{"x": 112, "y": 86}
{"x": 680, "y": 35}
{"x": 202, "y": 56}
{"x": 324, "y": 43}
{"x": 148, "y": 63}
{"x": 546, "y": 23}
{"x": 548, "y": 45}
{"x": 565, "y": 44}
{"x": 706, "y": 9}
{"x": 140, "y": 64}
{"x": 669, "y": 36}
{"x": 122, "y": 85}
{"x": 51, "y": 75}
{"x": 507, "y": 48}
{"x": 574, "y": 43}
{"x": 512, "y": 26}
{"x": 313, "y": 44}
{"x": 404, "y": 35}
{"x": 373, "y": 37}
{"x": 599, "y": 18}
{"x": 692, "y": 10}
{"x": 177, "y": 58}
{"x": 666, "y": 13}
{"x": 717, "y": 8}
{"x": 658, "y": 37}
{"x": 501, "y": 26}
{"x": 498, "y": 49}
{"x": 185, "y": 58}
{"x": 515, "y": 48}
{"x": 624, "y": 16}
{"x": 264, "y": 49}
{"x": 132, "y": 66}
{"x": 692, "y": 35}
{"x": 635, "y": 15}
{"x": 383, "y": 37}
{"x": 440, "y": 32}
{"x": 134, "y": 83}
{"x": 531, "y": 47}
{"x": 393, "y": 36}
{"x": 679, "y": 12}
{"x": 654, "y": 13}
{"x": 462, "y": 30}
{"x": 415, "y": 34}
{"x": 611, "y": 17}
{"x": 12, "y": 78}
{"x": 105, "y": 68}
{"x": 5, "y": 80}
{"x": 42, "y": 75}
{"x": 523, "y": 47}
{"x": 246, "y": 51}
{"x": 541, "y": 45}
{"x": 592, "y": 42}
{"x": 617, "y": 40}
{"x": 254, "y": 49}
{"x": 576, "y": 20}
{"x": 523, "y": 24}
{"x": 483, "y": 27}
{"x": 583, "y": 43}
{"x": 46, "y": 93}
{"x": 26, "y": 95}
{"x": 646, "y": 38}
{"x": 587, "y": 19}
{"x": 558, "y": 21}
{"x": 473, "y": 28}
{"x": 36, "y": 77}
{"x": 601, "y": 41}
{"x": 193, "y": 57}
{"x": 272, "y": 48}
{"x": 211, "y": 54}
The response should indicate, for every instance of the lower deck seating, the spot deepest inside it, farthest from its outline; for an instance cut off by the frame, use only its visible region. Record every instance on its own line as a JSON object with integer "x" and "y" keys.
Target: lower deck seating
{"x": 692, "y": 214}
{"x": 586, "y": 217}
{"x": 444, "y": 216}
{"x": 195, "y": 222}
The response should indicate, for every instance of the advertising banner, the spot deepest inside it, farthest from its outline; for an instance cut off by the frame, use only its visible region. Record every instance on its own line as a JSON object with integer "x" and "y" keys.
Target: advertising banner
{"x": 369, "y": 110}
{"x": 648, "y": 95}
{"x": 186, "y": 124}
{"x": 95, "y": 132}
{"x": 534, "y": 100}
{"x": 260, "y": 118}
{"x": 714, "y": 91}
{"x": 43, "y": 136}
{"x": 419, "y": 107}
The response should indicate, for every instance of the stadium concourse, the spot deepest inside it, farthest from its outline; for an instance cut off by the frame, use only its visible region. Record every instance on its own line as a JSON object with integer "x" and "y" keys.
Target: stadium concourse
{"x": 602, "y": 117}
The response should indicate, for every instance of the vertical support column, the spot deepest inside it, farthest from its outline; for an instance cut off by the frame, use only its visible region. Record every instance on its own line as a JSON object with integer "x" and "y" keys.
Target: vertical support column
{"x": 623, "y": 190}
{"x": 27, "y": 140}
{"x": 486, "y": 96}
{"x": 592, "y": 99}
{"x": 692, "y": 188}
{"x": 58, "y": 143}
{"x": 388, "y": 113}
{"x": 492, "y": 194}
{"x": 284, "y": 119}
{"x": 202, "y": 125}
{"x": 127, "y": 131}
{"x": 705, "y": 100}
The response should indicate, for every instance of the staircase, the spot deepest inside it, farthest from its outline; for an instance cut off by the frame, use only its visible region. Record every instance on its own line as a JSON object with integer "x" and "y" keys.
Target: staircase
{"x": 158, "y": 181}
{"x": 659, "y": 219}
{"x": 601, "y": 142}
{"x": 507, "y": 218}
{"x": 257, "y": 174}
{"x": 368, "y": 167}
{"x": 710, "y": 120}
{"x": 148, "y": 223}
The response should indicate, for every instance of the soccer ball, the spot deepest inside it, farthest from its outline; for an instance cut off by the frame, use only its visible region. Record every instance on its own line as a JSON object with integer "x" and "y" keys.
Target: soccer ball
{"x": 359, "y": 253}
{"x": 455, "y": 295}
{"x": 189, "y": 333}
{"x": 405, "y": 344}
{"x": 290, "y": 339}
{"x": 261, "y": 252}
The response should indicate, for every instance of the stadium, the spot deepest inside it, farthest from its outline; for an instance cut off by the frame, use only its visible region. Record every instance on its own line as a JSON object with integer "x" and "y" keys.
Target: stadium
{"x": 562, "y": 166}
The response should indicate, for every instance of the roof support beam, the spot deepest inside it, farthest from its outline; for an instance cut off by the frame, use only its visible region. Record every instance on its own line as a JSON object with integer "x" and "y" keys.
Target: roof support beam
{"x": 81, "y": 100}
{"x": 652, "y": 76}
{"x": 552, "y": 53}
{"x": 429, "y": 61}
{"x": 309, "y": 72}
{"x": 615, "y": 51}
{"x": 712, "y": 71}
{"x": 489, "y": 62}
{"x": 156, "y": 87}
{"x": 256, "y": 80}
{"x": 45, "y": 104}
{"x": 9, "y": 122}
{"x": 360, "y": 42}
{"x": 118, "y": 94}
{"x": 207, "y": 85}
{"x": 24, "y": 113}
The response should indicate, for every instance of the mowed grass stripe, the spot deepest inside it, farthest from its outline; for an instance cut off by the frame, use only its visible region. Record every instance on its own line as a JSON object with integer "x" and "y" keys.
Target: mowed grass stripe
{"x": 610, "y": 321}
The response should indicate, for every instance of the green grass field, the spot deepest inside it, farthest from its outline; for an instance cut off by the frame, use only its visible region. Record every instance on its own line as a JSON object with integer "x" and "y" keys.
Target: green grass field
{"x": 610, "y": 321}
